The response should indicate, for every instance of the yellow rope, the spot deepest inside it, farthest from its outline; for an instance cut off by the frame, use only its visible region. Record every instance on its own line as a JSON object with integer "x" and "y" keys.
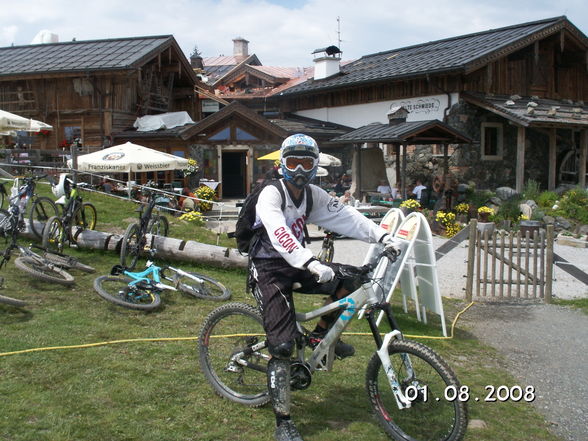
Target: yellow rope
{"x": 131, "y": 340}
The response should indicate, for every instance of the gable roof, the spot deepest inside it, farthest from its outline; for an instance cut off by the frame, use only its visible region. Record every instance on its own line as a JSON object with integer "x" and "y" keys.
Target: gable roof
{"x": 235, "y": 108}
{"x": 86, "y": 56}
{"x": 217, "y": 67}
{"x": 414, "y": 132}
{"x": 458, "y": 54}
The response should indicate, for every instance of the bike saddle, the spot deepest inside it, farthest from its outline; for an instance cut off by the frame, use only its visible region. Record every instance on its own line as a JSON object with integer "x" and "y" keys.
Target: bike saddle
{"x": 117, "y": 270}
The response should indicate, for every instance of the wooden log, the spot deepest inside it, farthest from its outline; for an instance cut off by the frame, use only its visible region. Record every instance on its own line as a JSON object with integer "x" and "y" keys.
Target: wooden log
{"x": 167, "y": 248}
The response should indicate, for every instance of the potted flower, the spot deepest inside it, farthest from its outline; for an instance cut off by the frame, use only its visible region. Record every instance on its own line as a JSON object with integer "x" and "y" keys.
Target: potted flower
{"x": 205, "y": 194}
{"x": 484, "y": 213}
{"x": 192, "y": 167}
{"x": 410, "y": 205}
{"x": 462, "y": 210}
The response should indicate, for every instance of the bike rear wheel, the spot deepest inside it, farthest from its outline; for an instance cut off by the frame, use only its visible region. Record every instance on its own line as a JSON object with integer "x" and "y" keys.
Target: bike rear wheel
{"x": 131, "y": 246}
{"x": 54, "y": 235}
{"x": 116, "y": 289}
{"x": 229, "y": 330}
{"x": 158, "y": 226}
{"x": 208, "y": 289}
{"x": 437, "y": 418}
{"x": 44, "y": 270}
{"x": 41, "y": 211}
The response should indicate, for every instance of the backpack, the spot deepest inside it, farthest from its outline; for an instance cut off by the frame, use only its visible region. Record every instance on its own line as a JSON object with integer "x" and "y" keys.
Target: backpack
{"x": 244, "y": 233}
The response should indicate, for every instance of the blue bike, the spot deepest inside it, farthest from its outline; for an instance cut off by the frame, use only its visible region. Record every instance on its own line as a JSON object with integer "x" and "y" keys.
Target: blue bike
{"x": 142, "y": 290}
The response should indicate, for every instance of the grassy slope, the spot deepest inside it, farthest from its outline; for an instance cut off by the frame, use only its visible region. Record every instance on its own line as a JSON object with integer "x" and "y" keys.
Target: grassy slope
{"x": 155, "y": 391}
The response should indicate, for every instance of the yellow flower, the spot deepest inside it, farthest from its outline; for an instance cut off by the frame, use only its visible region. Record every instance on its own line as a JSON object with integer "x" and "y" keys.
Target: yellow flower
{"x": 462, "y": 208}
{"x": 485, "y": 209}
{"x": 523, "y": 217}
{"x": 410, "y": 203}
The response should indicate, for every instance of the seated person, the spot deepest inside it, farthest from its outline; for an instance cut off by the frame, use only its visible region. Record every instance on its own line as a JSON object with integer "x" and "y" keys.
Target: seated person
{"x": 418, "y": 189}
{"x": 347, "y": 199}
{"x": 384, "y": 187}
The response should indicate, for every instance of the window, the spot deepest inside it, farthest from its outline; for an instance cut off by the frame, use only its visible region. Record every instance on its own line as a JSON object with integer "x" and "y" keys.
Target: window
{"x": 242, "y": 135}
{"x": 223, "y": 135}
{"x": 491, "y": 141}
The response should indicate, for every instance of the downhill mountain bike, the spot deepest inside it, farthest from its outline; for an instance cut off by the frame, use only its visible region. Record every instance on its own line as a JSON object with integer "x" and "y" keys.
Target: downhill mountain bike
{"x": 142, "y": 290}
{"x": 49, "y": 266}
{"x": 77, "y": 216}
{"x": 406, "y": 381}
{"x": 327, "y": 251}
{"x": 134, "y": 240}
{"x": 42, "y": 207}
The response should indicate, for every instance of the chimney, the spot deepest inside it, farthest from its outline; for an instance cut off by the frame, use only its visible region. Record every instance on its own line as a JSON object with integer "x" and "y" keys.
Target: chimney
{"x": 397, "y": 115}
{"x": 327, "y": 63}
{"x": 240, "y": 47}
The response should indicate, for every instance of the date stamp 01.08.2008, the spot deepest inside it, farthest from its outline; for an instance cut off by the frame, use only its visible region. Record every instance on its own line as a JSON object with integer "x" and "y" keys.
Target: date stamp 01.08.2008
{"x": 462, "y": 393}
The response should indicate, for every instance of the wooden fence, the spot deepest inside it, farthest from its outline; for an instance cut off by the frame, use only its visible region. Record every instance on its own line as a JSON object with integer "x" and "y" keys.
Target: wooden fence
{"x": 509, "y": 265}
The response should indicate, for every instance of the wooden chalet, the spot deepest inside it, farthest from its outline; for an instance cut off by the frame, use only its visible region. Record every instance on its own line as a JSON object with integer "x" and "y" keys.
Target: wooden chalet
{"x": 518, "y": 92}
{"x": 92, "y": 89}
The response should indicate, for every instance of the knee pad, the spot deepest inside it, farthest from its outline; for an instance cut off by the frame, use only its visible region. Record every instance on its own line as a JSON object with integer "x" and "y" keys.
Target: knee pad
{"x": 283, "y": 350}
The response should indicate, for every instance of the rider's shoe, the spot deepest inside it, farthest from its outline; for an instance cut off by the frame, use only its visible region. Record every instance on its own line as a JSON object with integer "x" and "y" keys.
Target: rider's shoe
{"x": 342, "y": 349}
{"x": 287, "y": 431}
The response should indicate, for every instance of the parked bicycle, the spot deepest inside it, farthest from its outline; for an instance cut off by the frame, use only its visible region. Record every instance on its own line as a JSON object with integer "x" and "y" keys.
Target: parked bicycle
{"x": 41, "y": 207}
{"x": 77, "y": 216}
{"x": 327, "y": 251}
{"x": 406, "y": 381}
{"x": 134, "y": 239}
{"x": 47, "y": 266}
{"x": 142, "y": 290}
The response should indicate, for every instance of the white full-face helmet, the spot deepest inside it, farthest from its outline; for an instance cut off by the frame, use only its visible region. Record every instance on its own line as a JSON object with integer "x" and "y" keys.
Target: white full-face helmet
{"x": 299, "y": 158}
{"x": 63, "y": 186}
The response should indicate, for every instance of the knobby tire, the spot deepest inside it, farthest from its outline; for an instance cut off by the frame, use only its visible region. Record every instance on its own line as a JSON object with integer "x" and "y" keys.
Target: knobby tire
{"x": 437, "y": 418}
{"x": 42, "y": 210}
{"x": 44, "y": 270}
{"x": 54, "y": 235}
{"x": 12, "y": 302}
{"x": 131, "y": 246}
{"x": 209, "y": 289}
{"x": 227, "y": 330}
{"x": 115, "y": 288}
{"x": 158, "y": 226}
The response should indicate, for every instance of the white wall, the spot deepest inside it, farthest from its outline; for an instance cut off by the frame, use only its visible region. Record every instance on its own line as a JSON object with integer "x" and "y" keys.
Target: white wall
{"x": 421, "y": 108}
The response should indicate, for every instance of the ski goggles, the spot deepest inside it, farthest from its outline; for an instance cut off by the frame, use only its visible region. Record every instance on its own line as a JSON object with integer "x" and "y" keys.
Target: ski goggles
{"x": 305, "y": 162}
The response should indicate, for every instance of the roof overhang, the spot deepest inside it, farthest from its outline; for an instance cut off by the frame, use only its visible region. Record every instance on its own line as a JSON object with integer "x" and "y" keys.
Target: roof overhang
{"x": 532, "y": 111}
{"x": 415, "y": 132}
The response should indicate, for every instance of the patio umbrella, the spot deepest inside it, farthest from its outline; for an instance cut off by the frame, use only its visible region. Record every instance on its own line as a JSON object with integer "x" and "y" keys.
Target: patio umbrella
{"x": 129, "y": 157}
{"x": 325, "y": 160}
{"x": 9, "y": 122}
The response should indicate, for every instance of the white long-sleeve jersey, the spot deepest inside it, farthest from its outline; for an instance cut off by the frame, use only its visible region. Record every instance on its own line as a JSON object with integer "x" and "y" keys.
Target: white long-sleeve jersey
{"x": 285, "y": 229}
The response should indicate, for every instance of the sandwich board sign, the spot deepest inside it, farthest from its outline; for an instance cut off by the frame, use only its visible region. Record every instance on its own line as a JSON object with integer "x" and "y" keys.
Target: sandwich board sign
{"x": 415, "y": 269}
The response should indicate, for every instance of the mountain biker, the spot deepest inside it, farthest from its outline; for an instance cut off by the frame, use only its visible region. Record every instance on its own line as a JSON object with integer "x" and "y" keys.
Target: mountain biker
{"x": 279, "y": 258}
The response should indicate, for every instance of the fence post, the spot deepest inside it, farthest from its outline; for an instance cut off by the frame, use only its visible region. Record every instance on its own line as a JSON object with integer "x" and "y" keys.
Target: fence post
{"x": 549, "y": 264}
{"x": 471, "y": 253}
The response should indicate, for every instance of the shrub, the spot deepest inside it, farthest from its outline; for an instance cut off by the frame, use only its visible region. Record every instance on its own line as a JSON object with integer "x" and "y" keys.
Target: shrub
{"x": 531, "y": 190}
{"x": 574, "y": 205}
{"x": 547, "y": 199}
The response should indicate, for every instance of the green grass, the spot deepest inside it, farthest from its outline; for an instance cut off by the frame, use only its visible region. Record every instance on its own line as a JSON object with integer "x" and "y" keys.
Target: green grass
{"x": 581, "y": 304}
{"x": 155, "y": 390}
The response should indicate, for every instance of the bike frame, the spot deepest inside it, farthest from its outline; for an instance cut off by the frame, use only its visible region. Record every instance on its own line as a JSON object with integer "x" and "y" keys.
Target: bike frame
{"x": 323, "y": 355}
{"x": 157, "y": 273}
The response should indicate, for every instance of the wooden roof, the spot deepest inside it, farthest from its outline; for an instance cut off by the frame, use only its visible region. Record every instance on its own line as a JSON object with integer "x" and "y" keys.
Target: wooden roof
{"x": 462, "y": 54}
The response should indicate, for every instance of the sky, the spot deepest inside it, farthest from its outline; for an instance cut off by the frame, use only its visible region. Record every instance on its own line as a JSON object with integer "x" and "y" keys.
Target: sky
{"x": 280, "y": 32}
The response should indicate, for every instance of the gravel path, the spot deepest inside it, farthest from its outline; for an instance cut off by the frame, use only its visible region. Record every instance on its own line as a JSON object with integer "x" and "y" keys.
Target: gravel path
{"x": 545, "y": 346}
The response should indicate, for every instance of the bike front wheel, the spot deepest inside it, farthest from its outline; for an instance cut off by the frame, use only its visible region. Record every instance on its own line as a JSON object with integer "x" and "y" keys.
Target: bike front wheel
{"x": 205, "y": 288}
{"x": 158, "y": 226}
{"x": 43, "y": 270}
{"x": 131, "y": 246}
{"x": 424, "y": 375}
{"x": 54, "y": 235}
{"x": 41, "y": 211}
{"x": 232, "y": 357}
{"x": 86, "y": 216}
{"x": 116, "y": 289}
